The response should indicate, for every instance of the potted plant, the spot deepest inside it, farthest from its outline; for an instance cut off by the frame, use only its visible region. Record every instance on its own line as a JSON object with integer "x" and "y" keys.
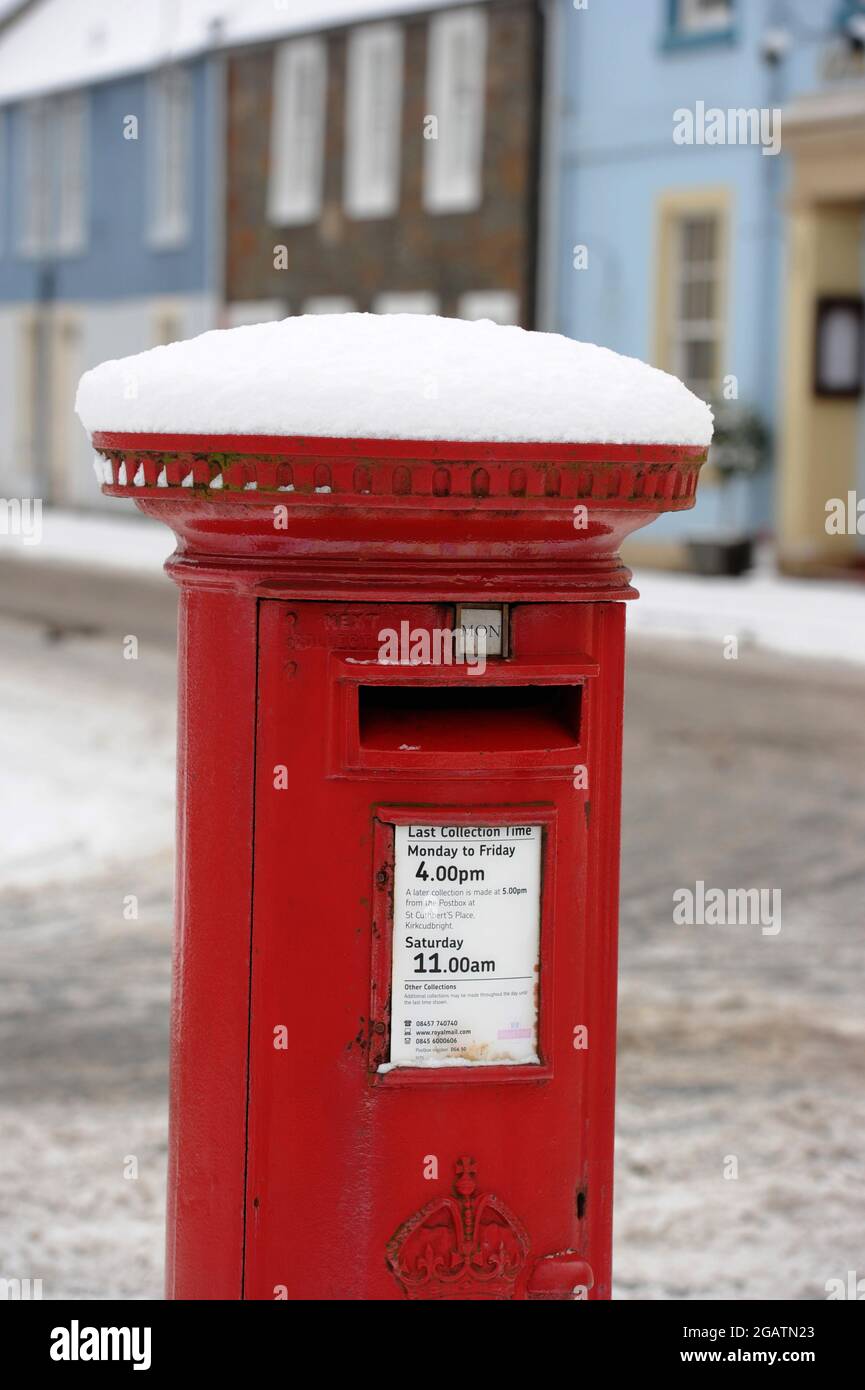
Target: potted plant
{"x": 740, "y": 446}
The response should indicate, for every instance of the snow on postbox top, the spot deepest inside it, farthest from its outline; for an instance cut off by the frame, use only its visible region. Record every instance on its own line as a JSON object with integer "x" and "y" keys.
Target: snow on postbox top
{"x": 392, "y": 377}
{"x": 331, "y": 440}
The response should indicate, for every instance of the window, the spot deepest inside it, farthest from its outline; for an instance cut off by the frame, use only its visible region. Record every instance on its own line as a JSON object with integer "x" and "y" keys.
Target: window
{"x": 247, "y": 311}
{"x": 406, "y": 302}
{"x": 329, "y": 304}
{"x": 502, "y": 306}
{"x": 703, "y": 16}
{"x": 4, "y": 197}
{"x": 54, "y": 183}
{"x": 456, "y": 88}
{"x": 170, "y": 151}
{"x": 696, "y": 310}
{"x": 839, "y": 349}
{"x": 71, "y": 115}
{"x": 37, "y": 168}
{"x": 297, "y": 132}
{"x": 373, "y": 121}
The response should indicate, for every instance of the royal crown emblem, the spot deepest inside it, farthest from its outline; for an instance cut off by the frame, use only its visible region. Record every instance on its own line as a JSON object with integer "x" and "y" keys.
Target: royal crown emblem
{"x": 466, "y": 1246}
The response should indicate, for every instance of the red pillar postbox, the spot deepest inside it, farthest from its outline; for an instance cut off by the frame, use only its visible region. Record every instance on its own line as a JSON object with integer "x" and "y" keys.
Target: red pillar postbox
{"x": 393, "y": 1038}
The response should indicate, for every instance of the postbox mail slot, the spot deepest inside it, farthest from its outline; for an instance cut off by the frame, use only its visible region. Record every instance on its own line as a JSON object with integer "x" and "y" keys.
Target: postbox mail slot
{"x": 469, "y": 718}
{"x": 442, "y": 721}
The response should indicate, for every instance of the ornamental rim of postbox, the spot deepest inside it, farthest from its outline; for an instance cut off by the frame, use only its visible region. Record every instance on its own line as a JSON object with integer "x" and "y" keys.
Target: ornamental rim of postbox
{"x": 327, "y": 472}
{"x": 473, "y": 509}
{"x": 421, "y": 516}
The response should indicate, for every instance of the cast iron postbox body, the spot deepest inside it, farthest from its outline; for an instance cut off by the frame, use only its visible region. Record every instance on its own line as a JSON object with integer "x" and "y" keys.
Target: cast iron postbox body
{"x": 393, "y": 1041}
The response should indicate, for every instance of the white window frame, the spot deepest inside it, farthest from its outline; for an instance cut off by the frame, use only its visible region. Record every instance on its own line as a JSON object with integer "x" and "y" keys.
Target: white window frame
{"x": 329, "y": 304}
{"x": 170, "y": 151}
{"x": 72, "y": 115}
{"x": 242, "y": 312}
{"x": 5, "y": 200}
{"x": 299, "y": 113}
{"x": 691, "y": 19}
{"x": 684, "y": 331}
{"x": 37, "y": 178}
{"x": 373, "y": 120}
{"x": 502, "y": 306}
{"x": 406, "y": 302}
{"x": 456, "y": 98}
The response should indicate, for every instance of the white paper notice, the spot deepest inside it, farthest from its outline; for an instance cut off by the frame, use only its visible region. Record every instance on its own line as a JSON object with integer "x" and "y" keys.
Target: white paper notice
{"x": 466, "y": 931}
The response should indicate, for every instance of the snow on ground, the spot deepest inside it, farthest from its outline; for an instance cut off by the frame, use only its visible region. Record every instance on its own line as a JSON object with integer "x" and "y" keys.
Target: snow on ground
{"x": 88, "y": 540}
{"x": 83, "y": 1093}
{"x": 392, "y": 376}
{"x": 802, "y": 617}
{"x": 734, "y": 1044}
{"x": 86, "y": 756}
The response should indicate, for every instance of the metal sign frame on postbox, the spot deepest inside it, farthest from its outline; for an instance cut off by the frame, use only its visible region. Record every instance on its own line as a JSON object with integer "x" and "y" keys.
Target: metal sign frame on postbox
{"x": 385, "y": 820}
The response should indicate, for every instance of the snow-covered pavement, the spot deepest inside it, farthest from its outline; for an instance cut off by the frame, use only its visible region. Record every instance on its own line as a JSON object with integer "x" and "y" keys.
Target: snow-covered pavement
{"x": 807, "y": 618}
{"x": 123, "y": 544}
{"x": 86, "y": 756}
{"x": 86, "y": 855}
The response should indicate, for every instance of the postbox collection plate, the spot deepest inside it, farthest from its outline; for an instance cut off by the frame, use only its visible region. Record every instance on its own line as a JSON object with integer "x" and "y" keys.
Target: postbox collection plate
{"x": 463, "y": 944}
{"x": 466, "y": 945}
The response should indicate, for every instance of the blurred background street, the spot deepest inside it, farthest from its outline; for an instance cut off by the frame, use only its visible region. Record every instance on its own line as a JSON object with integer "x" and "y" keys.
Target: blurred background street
{"x": 187, "y": 165}
{"x": 731, "y": 1043}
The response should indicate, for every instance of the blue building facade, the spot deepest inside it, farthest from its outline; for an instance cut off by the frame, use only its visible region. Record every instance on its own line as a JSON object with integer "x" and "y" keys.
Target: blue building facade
{"x": 113, "y": 200}
{"x": 110, "y": 237}
{"x": 688, "y": 137}
{"x": 702, "y": 207}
